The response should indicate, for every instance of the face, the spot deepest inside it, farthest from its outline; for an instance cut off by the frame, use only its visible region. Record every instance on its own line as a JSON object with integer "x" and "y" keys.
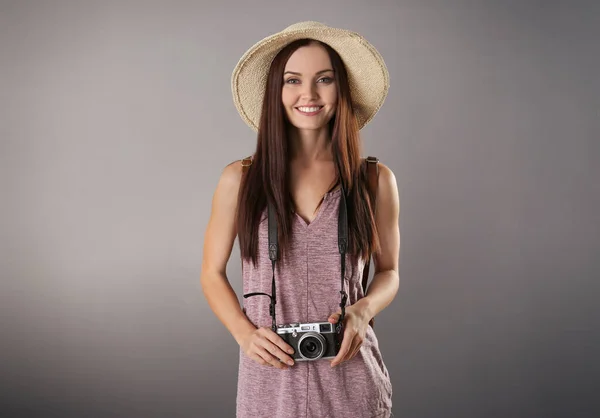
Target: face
{"x": 309, "y": 93}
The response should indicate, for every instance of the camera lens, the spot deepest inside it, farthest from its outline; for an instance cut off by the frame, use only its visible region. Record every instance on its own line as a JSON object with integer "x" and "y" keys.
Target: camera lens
{"x": 311, "y": 346}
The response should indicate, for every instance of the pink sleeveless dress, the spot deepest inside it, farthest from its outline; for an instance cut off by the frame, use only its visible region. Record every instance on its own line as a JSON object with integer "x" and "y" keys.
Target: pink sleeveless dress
{"x": 308, "y": 291}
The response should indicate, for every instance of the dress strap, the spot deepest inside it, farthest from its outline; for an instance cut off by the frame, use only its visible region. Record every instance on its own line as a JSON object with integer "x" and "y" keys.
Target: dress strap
{"x": 247, "y": 162}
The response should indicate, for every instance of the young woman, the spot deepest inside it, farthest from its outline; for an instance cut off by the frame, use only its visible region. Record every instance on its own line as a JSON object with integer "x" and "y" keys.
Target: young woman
{"x": 307, "y": 91}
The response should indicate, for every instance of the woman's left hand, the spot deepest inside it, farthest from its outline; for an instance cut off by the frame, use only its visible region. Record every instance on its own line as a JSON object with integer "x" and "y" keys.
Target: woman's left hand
{"x": 355, "y": 324}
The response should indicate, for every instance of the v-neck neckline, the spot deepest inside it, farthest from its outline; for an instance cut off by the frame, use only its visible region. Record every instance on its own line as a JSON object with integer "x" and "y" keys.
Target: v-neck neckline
{"x": 320, "y": 209}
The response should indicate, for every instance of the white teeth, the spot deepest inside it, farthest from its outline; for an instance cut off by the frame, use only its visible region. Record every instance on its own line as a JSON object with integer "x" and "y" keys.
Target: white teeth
{"x": 309, "y": 109}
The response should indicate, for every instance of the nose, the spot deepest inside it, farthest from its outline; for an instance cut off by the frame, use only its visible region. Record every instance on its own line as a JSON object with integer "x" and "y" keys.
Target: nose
{"x": 309, "y": 91}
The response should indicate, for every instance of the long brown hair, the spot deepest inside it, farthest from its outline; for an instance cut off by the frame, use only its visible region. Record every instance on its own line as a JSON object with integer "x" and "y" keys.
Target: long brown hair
{"x": 268, "y": 178}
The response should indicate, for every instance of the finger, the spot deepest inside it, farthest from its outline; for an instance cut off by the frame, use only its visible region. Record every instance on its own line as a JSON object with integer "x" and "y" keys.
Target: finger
{"x": 351, "y": 349}
{"x": 355, "y": 349}
{"x": 263, "y": 357}
{"x": 258, "y": 359}
{"x": 271, "y": 360}
{"x": 346, "y": 344}
{"x": 334, "y": 318}
{"x": 278, "y": 341}
{"x": 274, "y": 350}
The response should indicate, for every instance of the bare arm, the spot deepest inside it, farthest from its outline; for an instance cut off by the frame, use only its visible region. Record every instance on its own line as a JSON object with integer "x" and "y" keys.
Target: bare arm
{"x": 260, "y": 344}
{"x": 218, "y": 242}
{"x": 385, "y": 283}
{"x": 384, "y": 286}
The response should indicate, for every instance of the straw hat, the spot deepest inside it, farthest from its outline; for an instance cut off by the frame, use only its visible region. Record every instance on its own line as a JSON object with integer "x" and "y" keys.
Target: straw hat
{"x": 367, "y": 74}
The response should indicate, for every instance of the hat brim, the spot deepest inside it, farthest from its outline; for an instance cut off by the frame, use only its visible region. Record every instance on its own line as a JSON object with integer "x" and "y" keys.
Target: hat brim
{"x": 367, "y": 73}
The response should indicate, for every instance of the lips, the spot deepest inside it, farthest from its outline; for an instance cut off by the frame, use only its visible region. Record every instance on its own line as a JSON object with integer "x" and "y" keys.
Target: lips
{"x": 309, "y": 110}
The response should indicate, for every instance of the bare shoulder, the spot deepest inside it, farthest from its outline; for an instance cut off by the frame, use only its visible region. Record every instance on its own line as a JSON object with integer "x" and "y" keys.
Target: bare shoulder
{"x": 231, "y": 176}
{"x": 387, "y": 180}
{"x": 387, "y": 190}
{"x": 387, "y": 186}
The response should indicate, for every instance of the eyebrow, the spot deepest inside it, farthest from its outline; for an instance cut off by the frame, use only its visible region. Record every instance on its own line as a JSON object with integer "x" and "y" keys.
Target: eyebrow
{"x": 295, "y": 73}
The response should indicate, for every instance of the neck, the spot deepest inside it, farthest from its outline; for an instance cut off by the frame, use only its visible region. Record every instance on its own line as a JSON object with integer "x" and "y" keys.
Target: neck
{"x": 309, "y": 146}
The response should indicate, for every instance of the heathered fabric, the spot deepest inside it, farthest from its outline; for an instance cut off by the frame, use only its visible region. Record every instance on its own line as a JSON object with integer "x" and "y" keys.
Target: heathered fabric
{"x": 308, "y": 291}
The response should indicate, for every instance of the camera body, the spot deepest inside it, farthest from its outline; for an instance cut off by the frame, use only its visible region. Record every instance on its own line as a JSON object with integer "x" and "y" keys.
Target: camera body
{"x": 311, "y": 341}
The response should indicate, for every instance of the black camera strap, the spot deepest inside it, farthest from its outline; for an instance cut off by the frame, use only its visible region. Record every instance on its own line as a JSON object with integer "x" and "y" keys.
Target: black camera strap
{"x": 342, "y": 246}
{"x": 273, "y": 249}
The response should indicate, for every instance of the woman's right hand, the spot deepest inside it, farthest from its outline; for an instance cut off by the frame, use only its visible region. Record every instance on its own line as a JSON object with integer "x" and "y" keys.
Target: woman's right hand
{"x": 267, "y": 348}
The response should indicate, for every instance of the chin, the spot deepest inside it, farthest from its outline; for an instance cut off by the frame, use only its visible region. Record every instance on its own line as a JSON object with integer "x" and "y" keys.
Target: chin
{"x": 309, "y": 126}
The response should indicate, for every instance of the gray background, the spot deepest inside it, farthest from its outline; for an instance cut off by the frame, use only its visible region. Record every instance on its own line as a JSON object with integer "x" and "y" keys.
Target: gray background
{"x": 116, "y": 120}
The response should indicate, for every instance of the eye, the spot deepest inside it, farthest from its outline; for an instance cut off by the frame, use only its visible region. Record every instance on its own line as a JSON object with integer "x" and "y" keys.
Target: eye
{"x": 326, "y": 80}
{"x": 290, "y": 80}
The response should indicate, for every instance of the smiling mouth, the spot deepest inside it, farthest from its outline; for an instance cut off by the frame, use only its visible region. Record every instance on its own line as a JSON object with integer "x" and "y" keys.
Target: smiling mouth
{"x": 309, "y": 110}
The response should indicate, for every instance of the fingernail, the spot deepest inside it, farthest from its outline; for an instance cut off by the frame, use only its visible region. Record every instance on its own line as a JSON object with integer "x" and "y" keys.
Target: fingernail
{"x": 290, "y": 362}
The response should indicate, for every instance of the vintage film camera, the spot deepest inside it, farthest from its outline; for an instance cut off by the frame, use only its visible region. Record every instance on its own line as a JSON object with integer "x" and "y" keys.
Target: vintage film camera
{"x": 314, "y": 341}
